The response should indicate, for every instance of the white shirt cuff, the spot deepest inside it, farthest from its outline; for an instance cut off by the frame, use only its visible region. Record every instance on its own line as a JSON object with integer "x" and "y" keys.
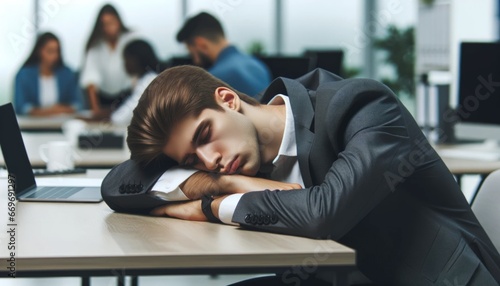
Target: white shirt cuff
{"x": 167, "y": 186}
{"x": 227, "y": 207}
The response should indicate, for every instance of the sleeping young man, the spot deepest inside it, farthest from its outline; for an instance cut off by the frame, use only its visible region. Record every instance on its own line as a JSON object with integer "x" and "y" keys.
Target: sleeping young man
{"x": 355, "y": 166}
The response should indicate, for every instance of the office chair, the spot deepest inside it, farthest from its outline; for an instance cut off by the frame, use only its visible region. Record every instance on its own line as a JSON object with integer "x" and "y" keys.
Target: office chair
{"x": 330, "y": 60}
{"x": 289, "y": 67}
{"x": 485, "y": 207}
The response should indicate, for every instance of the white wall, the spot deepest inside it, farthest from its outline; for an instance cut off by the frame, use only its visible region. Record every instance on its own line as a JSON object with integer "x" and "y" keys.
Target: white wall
{"x": 322, "y": 24}
{"x": 16, "y": 28}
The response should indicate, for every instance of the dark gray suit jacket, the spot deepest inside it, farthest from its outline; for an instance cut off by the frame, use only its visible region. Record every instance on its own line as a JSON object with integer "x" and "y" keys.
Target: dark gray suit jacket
{"x": 372, "y": 181}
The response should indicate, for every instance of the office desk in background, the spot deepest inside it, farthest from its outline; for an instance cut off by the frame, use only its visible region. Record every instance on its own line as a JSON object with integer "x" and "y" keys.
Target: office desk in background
{"x": 88, "y": 239}
{"x": 85, "y": 158}
{"x": 462, "y": 166}
{"x": 39, "y": 130}
{"x": 42, "y": 124}
{"x": 54, "y": 123}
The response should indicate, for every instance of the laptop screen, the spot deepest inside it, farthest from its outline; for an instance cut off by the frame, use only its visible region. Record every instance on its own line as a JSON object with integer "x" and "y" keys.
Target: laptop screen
{"x": 13, "y": 150}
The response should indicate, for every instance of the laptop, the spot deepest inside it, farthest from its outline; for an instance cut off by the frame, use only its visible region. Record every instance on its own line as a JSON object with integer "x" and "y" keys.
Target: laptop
{"x": 19, "y": 166}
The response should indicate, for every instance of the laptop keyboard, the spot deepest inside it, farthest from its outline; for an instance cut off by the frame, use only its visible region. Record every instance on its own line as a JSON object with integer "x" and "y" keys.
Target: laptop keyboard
{"x": 45, "y": 172}
{"x": 54, "y": 192}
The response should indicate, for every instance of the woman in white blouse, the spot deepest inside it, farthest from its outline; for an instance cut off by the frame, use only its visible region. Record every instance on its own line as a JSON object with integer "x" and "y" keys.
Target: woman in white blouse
{"x": 103, "y": 75}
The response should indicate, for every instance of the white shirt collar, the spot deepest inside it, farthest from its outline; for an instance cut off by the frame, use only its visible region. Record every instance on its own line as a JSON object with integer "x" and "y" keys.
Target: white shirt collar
{"x": 288, "y": 147}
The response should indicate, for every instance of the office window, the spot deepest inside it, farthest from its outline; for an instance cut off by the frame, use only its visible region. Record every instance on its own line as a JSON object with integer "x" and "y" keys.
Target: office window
{"x": 18, "y": 32}
{"x": 322, "y": 24}
{"x": 402, "y": 14}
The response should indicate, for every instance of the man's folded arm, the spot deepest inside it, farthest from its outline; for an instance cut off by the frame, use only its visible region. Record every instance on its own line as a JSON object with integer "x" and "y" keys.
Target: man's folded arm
{"x": 129, "y": 187}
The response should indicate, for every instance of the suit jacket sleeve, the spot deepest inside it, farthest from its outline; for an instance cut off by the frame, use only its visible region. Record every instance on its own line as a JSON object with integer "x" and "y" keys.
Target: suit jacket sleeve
{"x": 363, "y": 121}
{"x": 126, "y": 188}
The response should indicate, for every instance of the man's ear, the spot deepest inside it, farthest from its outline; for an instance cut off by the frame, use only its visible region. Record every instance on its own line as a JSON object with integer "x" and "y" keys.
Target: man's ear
{"x": 227, "y": 97}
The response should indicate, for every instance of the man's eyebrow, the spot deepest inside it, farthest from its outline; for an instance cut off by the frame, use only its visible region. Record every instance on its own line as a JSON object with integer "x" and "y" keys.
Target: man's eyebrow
{"x": 198, "y": 130}
{"x": 195, "y": 139}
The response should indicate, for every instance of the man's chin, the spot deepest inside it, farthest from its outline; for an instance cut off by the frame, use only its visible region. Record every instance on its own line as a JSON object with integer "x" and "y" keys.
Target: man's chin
{"x": 251, "y": 172}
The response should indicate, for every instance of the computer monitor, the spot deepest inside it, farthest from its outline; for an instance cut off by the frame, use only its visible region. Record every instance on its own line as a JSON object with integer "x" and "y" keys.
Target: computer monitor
{"x": 289, "y": 67}
{"x": 330, "y": 60}
{"x": 479, "y": 93}
{"x": 180, "y": 61}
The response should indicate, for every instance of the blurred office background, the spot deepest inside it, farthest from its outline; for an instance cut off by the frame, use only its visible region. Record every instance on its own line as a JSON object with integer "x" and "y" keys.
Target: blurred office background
{"x": 281, "y": 27}
{"x": 422, "y": 36}
{"x": 272, "y": 27}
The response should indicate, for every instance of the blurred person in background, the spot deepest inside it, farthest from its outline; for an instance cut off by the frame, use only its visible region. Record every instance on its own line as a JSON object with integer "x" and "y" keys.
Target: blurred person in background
{"x": 103, "y": 76}
{"x": 204, "y": 38}
{"x": 44, "y": 86}
{"x": 140, "y": 63}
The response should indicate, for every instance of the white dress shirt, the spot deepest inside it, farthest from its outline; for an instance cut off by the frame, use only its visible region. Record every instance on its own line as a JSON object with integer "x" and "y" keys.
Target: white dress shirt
{"x": 286, "y": 168}
{"x": 105, "y": 68}
{"x": 123, "y": 114}
{"x": 167, "y": 186}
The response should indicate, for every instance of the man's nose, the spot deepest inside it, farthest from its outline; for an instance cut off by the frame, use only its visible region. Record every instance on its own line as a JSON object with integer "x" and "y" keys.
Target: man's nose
{"x": 209, "y": 157}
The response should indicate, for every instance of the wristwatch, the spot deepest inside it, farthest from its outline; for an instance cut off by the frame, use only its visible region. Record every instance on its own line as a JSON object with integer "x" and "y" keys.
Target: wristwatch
{"x": 206, "y": 208}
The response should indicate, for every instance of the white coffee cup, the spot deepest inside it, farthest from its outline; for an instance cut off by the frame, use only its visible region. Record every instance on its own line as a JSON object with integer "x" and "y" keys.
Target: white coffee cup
{"x": 72, "y": 129}
{"x": 58, "y": 155}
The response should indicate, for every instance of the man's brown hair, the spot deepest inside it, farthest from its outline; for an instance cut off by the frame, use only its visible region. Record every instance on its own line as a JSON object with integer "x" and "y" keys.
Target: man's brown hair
{"x": 177, "y": 93}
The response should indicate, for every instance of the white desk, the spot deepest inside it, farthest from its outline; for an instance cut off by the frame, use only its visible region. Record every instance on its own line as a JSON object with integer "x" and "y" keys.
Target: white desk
{"x": 53, "y": 123}
{"x": 460, "y": 166}
{"x": 62, "y": 239}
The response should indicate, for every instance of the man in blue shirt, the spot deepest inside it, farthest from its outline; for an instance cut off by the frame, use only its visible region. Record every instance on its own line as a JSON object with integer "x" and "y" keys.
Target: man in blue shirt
{"x": 209, "y": 48}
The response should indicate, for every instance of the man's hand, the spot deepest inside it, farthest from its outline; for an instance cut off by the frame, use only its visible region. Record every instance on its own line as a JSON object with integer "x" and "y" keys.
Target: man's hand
{"x": 200, "y": 184}
{"x": 190, "y": 210}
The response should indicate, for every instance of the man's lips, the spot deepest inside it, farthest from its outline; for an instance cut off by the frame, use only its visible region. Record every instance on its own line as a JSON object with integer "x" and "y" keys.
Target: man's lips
{"x": 233, "y": 166}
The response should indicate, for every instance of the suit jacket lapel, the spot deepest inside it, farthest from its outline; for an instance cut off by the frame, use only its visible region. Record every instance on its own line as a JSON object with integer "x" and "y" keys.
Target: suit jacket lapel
{"x": 303, "y": 112}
